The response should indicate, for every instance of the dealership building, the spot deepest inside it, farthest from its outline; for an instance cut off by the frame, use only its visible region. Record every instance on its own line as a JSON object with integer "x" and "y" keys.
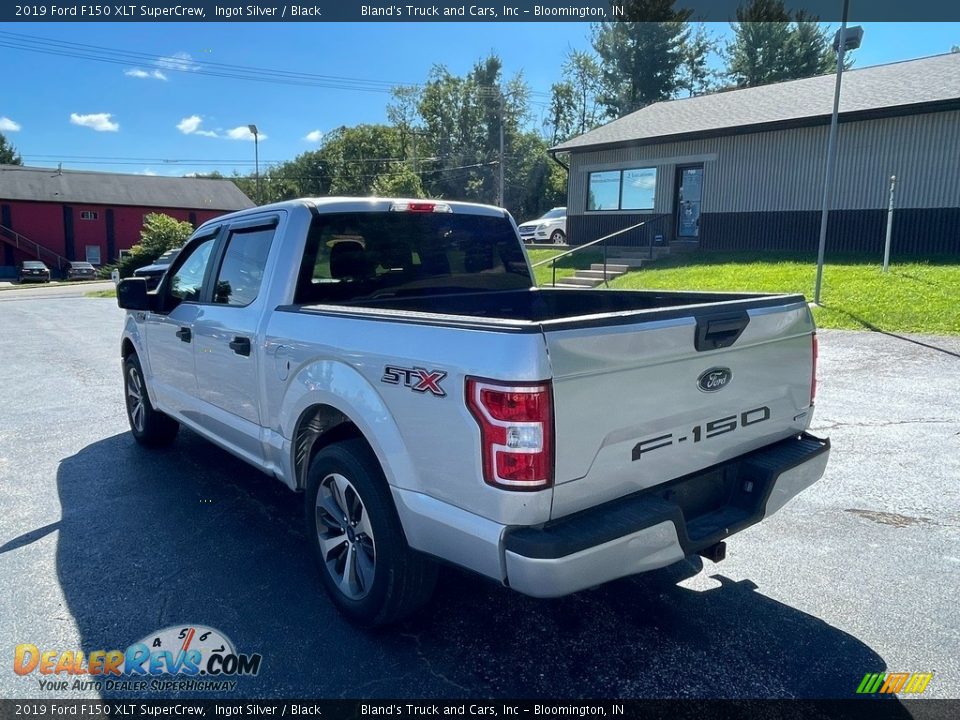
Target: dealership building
{"x": 744, "y": 169}
{"x": 60, "y": 215}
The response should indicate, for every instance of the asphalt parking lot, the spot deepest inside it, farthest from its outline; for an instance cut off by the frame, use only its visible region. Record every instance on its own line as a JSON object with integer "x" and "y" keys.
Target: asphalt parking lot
{"x": 102, "y": 542}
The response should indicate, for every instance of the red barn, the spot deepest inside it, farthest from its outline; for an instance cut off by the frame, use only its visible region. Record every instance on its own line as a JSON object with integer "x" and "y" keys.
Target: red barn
{"x": 65, "y": 215}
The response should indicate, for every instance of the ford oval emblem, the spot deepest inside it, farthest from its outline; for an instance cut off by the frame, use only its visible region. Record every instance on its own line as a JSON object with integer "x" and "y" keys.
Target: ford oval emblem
{"x": 714, "y": 379}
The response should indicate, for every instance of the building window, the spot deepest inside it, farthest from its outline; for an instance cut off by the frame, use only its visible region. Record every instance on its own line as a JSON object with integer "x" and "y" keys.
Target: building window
{"x": 89, "y": 215}
{"x": 93, "y": 254}
{"x": 633, "y": 189}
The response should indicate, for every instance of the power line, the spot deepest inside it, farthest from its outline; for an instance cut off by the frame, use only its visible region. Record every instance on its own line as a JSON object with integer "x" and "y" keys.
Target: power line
{"x": 106, "y": 160}
{"x": 95, "y": 53}
{"x": 116, "y": 56}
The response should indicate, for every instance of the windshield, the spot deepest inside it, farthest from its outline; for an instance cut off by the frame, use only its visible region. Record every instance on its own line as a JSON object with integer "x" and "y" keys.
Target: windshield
{"x": 555, "y": 213}
{"x": 367, "y": 255}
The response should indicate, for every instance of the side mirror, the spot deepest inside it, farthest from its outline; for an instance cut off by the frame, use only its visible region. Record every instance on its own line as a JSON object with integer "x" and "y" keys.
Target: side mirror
{"x": 132, "y": 294}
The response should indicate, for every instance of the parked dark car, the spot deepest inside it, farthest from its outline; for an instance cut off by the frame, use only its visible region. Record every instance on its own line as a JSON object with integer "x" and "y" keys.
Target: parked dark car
{"x": 154, "y": 273}
{"x": 77, "y": 270}
{"x": 33, "y": 271}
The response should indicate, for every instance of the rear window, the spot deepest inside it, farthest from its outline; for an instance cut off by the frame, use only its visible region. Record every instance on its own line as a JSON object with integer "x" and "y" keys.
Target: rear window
{"x": 352, "y": 256}
{"x": 34, "y": 265}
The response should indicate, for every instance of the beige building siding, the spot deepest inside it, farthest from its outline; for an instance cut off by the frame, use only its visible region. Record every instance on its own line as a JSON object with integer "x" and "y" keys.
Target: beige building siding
{"x": 781, "y": 171}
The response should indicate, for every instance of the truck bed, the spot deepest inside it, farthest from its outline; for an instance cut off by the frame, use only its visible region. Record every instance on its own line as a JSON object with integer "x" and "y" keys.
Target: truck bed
{"x": 555, "y": 308}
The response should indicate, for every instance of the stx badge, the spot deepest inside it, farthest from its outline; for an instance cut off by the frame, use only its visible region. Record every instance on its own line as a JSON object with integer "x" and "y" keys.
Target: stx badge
{"x": 416, "y": 378}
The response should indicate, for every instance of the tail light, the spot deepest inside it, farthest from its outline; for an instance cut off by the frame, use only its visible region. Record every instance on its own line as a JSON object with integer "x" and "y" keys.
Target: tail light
{"x": 516, "y": 432}
{"x": 813, "y": 372}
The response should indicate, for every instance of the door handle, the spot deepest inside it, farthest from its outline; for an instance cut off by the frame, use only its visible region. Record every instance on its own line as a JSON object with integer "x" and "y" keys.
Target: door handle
{"x": 240, "y": 345}
{"x": 185, "y": 334}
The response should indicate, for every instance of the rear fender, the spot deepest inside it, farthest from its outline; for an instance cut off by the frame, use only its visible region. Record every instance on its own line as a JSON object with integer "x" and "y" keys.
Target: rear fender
{"x": 341, "y": 387}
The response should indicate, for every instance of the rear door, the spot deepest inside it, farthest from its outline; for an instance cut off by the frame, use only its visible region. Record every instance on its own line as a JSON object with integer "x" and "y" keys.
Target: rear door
{"x": 639, "y": 403}
{"x": 226, "y": 333}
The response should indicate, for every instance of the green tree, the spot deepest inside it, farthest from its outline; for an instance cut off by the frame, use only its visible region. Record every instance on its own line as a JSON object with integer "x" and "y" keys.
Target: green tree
{"x": 352, "y": 158}
{"x": 575, "y": 106}
{"x": 401, "y": 182}
{"x": 159, "y": 233}
{"x": 641, "y": 54}
{"x": 696, "y": 77}
{"x": 770, "y": 46}
{"x": 8, "y": 153}
{"x": 461, "y": 118}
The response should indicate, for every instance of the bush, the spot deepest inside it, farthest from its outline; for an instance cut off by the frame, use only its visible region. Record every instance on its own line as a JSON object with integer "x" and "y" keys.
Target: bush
{"x": 160, "y": 233}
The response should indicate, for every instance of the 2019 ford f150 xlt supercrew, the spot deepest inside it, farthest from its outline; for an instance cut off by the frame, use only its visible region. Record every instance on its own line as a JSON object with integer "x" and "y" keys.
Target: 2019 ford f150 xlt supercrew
{"x": 394, "y": 360}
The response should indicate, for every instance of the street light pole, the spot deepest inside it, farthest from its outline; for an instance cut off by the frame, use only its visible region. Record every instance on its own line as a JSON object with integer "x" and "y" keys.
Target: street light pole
{"x": 256, "y": 156}
{"x": 831, "y": 154}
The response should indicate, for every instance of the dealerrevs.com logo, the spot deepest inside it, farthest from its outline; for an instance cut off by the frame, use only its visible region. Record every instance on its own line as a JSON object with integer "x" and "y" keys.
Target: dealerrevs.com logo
{"x": 179, "y": 657}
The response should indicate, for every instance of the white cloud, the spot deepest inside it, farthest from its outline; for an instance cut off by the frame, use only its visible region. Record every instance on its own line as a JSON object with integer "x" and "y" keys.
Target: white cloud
{"x": 8, "y": 125}
{"x": 148, "y": 171}
{"x": 101, "y": 122}
{"x": 242, "y": 132}
{"x": 181, "y": 61}
{"x": 145, "y": 74}
{"x": 313, "y": 136}
{"x": 191, "y": 126}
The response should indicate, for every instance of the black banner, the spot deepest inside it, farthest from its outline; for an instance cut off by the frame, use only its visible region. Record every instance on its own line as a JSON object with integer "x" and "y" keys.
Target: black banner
{"x": 448, "y": 11}
{"x": 888, "y": 708}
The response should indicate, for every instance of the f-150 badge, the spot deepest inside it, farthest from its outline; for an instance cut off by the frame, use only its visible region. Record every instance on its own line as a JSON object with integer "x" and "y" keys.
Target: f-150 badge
{"x": 417, "y": 379}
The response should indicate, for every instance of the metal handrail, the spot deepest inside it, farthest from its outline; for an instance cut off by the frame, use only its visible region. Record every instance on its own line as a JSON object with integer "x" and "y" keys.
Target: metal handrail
{"x": 37, "y": 248}
{"x": 590, "y": 244}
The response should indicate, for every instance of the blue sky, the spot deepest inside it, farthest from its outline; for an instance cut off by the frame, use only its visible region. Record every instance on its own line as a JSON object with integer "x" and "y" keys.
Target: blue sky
{"x": 52, "y": 106}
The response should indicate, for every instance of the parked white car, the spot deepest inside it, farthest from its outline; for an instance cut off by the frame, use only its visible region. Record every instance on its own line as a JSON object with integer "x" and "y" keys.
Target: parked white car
{"x": 552, "y": 228}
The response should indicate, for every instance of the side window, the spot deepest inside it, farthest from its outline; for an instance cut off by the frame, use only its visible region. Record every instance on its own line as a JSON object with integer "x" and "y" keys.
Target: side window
{"x": 186, "y": 283}
{"x": 241, "y": 272}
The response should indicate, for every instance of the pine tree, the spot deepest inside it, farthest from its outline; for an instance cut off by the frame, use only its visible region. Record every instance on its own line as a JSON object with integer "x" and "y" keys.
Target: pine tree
{"x": 641, "y": 54}
{"x": 8, "y": 153}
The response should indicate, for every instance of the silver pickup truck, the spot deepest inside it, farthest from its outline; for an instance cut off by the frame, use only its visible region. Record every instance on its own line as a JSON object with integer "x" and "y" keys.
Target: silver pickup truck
{"x": 395, "y": 362}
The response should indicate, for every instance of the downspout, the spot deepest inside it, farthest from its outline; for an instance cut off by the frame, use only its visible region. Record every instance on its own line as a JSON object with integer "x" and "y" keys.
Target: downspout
{"x": 553, "y": 156}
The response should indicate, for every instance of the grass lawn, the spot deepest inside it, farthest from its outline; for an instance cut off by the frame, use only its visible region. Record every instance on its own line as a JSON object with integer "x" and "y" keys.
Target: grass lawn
{"x": 111, "y": 293}
{"x": 920, "y": 297}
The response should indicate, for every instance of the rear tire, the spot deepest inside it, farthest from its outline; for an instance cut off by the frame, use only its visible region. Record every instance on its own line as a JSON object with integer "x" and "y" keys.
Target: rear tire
{"x": 366, "y": 566}
{"x": 150, "y": 427}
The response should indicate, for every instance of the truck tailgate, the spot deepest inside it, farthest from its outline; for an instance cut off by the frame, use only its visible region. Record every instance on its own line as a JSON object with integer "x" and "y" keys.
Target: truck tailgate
{"x": 644, "y": 398}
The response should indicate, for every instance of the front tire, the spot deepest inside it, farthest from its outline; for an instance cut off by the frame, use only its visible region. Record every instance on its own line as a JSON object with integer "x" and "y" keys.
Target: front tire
{"x": 366, "y": 566}
{"x": 558, "y": 238}
{"x": 149, "y": 426}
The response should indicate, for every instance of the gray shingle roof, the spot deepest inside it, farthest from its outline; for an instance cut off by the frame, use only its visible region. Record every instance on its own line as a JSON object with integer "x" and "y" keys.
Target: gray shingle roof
{"x": 100, "y": 188}
{"x": 881, "y": 87}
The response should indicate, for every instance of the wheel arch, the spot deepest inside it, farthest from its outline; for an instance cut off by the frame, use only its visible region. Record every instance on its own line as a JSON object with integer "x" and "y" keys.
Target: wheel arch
{"x": 330, "y": 401}
{"x": 319, "y": 426}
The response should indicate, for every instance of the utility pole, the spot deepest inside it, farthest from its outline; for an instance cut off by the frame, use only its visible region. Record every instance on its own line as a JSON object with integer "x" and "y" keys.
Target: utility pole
{"x": 500, "y": 193}
{"x": 256, "y": 156}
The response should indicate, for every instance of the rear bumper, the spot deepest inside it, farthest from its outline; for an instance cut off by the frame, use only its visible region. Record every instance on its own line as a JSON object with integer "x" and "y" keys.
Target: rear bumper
{"x": 661, "y": 525}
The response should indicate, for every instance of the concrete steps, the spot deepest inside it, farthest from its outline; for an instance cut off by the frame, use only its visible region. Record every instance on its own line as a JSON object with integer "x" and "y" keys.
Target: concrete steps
{"x": 619, "y": 261}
